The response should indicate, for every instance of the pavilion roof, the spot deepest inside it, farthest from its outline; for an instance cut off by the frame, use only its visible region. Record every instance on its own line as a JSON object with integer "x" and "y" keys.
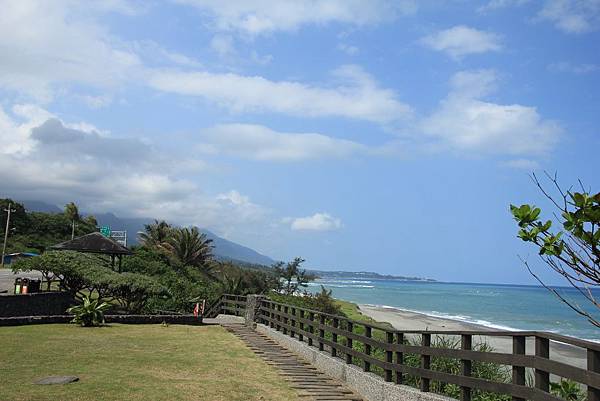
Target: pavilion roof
{"x": 93, "y": 243}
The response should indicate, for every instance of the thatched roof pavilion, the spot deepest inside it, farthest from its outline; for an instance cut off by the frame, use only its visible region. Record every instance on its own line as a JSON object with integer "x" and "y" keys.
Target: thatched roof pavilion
{"x": 95, "y": 243}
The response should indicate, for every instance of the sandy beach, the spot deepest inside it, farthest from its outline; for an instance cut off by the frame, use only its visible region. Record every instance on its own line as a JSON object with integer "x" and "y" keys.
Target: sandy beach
{"x": 408, "y": 320}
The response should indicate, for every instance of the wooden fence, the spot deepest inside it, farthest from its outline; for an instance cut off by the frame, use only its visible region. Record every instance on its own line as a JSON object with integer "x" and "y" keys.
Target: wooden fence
{"x": 377, "y": 347}
{"x": 227, "y": 304}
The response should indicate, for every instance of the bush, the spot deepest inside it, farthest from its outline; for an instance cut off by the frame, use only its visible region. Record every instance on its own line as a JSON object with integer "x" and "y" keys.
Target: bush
{"x": 568, "y": 390}
{"x": 86, "y": 275}
{"x": 89, "y": 313}
{"x": 322, "y": 301}
{"x": 133, "y": 290}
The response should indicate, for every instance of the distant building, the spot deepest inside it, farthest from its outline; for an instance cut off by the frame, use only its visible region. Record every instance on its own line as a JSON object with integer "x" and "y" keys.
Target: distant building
{"x": 13, "y": 257}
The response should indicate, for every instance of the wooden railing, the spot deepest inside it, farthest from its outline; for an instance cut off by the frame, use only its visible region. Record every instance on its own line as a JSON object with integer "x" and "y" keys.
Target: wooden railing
{"x": 384, "y": 350}
{"x": 227, "y": 304}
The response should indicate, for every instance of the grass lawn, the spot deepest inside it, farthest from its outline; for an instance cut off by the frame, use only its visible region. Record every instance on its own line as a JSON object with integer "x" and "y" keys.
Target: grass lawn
{"x": 134, "y": 362}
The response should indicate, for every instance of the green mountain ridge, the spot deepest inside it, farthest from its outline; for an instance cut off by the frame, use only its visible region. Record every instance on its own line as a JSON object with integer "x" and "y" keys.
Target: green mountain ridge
{"x": 224, "y": 249}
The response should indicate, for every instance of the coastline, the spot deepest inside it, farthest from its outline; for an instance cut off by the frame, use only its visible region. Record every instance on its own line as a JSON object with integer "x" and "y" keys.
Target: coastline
{"x": 402, "y": 319}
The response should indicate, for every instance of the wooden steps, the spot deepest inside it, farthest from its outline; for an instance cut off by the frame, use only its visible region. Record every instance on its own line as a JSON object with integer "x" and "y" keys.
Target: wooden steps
{"x": 302, "y": 376}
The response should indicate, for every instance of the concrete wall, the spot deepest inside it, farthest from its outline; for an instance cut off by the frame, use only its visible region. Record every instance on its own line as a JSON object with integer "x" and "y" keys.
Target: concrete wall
{"x": 125, "y": 319}
{"x": 368, "y": 385}
{"x": 34, "y": 304}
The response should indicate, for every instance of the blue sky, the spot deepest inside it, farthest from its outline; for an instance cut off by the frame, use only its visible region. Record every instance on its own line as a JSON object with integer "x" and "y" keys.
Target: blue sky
{"x": 364, "y": 135}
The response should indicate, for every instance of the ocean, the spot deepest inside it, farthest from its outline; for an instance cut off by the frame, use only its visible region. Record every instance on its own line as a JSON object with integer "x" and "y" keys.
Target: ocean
{"x": 511, "y": 307}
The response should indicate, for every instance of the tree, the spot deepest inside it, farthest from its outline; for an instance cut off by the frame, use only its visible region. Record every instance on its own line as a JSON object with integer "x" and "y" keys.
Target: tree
{"x": 84, "y": 274}
{"x": 19, "y": 220}
{"x": 155, "y": 235}
{"x": 72, "y": 212}
{"x": 91, "y": 220}
{"x": 573, "y": 249}
{"x": 291, "y": 277}
{"x": 188, "y": 246}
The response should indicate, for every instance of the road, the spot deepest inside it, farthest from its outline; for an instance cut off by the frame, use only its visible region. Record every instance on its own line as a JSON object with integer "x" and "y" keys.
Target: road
{"x": 7, "y": 279}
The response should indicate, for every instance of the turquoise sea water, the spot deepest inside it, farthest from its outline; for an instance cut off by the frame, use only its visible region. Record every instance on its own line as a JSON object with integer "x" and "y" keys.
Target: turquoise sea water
{"x": 492, "y": 305}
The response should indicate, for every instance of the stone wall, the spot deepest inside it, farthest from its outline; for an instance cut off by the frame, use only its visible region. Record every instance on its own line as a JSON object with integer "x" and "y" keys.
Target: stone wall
{"x": 125, "y": 319}
{"x": 367, "y": 384}
{"x": 34, "y": 304}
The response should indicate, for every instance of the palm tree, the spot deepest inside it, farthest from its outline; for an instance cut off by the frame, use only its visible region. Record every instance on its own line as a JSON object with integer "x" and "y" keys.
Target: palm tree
{"x": 72, "y": 212}
{"x": 190, "y": 247}
{"x": 155, "y": 235}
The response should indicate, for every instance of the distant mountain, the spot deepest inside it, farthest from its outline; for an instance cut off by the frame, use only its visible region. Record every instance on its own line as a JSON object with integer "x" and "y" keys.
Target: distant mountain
{"x": 224, "y": 249}
{"x": 231, "y": 250}
{"x": 344, "y": 275}
{"x": 39, "y": 206}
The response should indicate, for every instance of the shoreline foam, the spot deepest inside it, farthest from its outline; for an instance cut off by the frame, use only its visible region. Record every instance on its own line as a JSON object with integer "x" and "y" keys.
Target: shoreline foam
{"x": 402, "y": 319}
{"x": 484, "y": 324}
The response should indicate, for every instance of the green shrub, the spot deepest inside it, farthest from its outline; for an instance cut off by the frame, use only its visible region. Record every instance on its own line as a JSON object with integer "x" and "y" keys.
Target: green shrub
{"x": 568, "y": 390}
{"x": 133, "y": 290}
{"x": 322, "y": 301}
{"x": 90, "y": 313}
{"x": 87, "y": 275}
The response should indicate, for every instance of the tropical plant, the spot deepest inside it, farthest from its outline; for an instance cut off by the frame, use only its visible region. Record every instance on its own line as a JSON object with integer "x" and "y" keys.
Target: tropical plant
{"x": 291, "y": 277}
{"x": 90, "y": 313}
{"x": 572, "y": 251}
{"x": 568, "y": 390}
{"x": 72, "y": 213}
{"x": 155, "y": 235}
{"x": 189, "y": 247}
{"x": 233, "y": 284}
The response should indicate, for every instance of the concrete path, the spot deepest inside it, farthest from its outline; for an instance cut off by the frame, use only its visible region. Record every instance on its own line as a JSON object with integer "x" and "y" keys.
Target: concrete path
{"x": 302, "y": 376}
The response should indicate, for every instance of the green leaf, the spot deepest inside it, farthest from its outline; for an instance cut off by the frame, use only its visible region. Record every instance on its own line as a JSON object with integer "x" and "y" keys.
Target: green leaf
{"x": 579, "y": 199}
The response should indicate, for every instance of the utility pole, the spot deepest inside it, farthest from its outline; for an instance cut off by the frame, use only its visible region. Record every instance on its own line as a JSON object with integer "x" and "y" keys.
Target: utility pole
{"x": 9, "y": 210}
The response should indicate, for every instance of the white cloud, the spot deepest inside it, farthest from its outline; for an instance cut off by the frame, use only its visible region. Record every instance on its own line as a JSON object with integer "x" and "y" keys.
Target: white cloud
{"x": 572, "y": 16}
{"x": 96, "y": 102}
{"x": 522, "y": 164}
{"x": 258, "y": 142}
{"x": 466, "y": 123}
{"x": 45, "y": 158}
{"x": 48, "y": 44}
{"x": 565, "y": 66}
{"x": 357, "y": 95}
{"x": 223, "y": 45}
{"x": 461, "y": 40}
{"x": 265, "y": 16}
{"x": 497, "y": 4}
{"x": 348, "y": 49}
{"x": 316, "y": 222}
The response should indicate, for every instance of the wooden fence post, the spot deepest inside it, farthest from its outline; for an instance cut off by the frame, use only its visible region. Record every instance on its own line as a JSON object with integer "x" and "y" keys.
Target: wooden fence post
{"x": 389, "y": 355}
{"x": 518, "y": 372}
{"x": 321, "y": 331}
{"x": 311, "y": 327}
{"x": 301, "y": 335}
{"x": 334, "y": 337}
{"x": 593, "y": 365}
{"x": 425, "y": 361}
{"x": 285, "y": 319}
{"x": 293, "y": 332}
{"x": 349, "y": 328}
{"x": 466, "y": 343}
{"x": 278, "y": 317}
{"x": 542, "y": 350}
{"x": 399, "y": 358}
{"x": 368, "y": 334}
